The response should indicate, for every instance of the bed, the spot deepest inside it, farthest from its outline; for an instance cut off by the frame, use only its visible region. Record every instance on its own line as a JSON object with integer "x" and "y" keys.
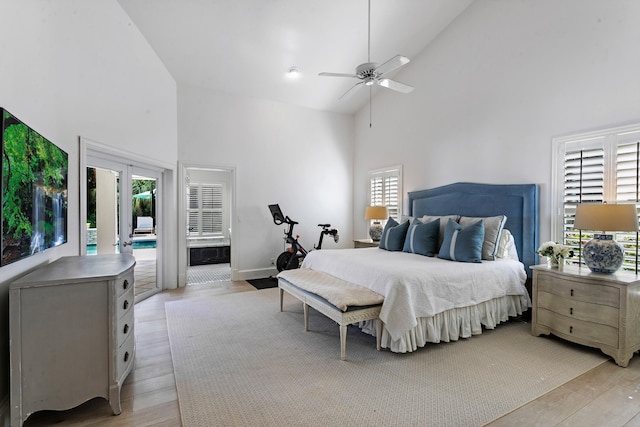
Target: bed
{"x": 428, "y": 299}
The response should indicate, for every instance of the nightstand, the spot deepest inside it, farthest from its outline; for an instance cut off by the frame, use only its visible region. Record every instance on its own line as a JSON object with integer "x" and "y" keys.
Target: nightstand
{"x": 592, "y": 309}
{"x": 365, "y": 243}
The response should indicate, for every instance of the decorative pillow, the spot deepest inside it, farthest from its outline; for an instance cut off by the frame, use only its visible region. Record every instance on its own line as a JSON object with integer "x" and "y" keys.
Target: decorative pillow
{"x": 462, "y": 244}
{"x": 393, "y": 237}
{"x": 390, "y": 223}
{"x": 507, "y": 248}
{"x": 422, "y": 238}
{"x": 492, "y": 230}
{"x": 443, "y": 223}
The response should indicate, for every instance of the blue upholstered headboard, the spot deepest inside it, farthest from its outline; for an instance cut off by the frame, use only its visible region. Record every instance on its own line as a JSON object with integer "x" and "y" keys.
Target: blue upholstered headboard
{"x": 519, "y": 202}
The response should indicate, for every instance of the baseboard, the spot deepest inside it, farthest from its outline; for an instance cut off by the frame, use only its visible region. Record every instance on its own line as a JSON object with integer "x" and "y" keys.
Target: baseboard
{"x": 258, "y": 273}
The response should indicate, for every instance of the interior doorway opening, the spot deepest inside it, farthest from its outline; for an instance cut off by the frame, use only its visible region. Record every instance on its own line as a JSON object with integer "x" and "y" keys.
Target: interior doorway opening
{"x": 208, "y": 222}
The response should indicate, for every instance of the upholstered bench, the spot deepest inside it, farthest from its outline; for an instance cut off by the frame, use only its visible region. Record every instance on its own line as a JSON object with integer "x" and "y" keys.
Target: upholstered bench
{"x": 339, "y": 300}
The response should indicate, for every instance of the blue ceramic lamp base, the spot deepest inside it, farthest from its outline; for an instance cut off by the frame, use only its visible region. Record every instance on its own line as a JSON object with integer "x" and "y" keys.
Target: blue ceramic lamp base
{"x": 603, "y": 254}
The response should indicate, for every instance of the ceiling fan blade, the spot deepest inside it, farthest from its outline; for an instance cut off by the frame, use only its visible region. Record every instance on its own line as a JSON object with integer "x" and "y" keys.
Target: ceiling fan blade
{"x": 337, "y": 75}
{"x": 351, "y": 91}
{"x": 395, "y": 62}
{"x": 394, "y": 85}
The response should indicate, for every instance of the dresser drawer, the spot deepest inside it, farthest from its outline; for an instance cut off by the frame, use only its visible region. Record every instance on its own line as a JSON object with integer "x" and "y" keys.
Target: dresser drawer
{"x": 124, "y": 284}
{"x": 579, "y": 329}
{"x": 580, "y": 291}
{"x": 125, "y": 357}
{"x": 572, "y": 308}
{"x": 124, "y": 327}
{"x": 125, "y": 303}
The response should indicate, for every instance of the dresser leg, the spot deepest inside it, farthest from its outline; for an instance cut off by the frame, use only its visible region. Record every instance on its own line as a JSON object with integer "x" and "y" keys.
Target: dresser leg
{"x": 114, "y": 400}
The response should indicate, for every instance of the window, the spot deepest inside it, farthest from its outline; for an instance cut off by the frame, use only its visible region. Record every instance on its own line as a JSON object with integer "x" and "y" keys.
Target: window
{"x": 597, "y": 167}
{"x": 385, "y": 189}
{"x": 205, "y": 209}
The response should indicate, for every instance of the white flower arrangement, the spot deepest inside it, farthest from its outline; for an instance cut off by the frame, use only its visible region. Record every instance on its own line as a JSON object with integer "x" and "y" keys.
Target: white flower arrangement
{"x": 555, "y": 251}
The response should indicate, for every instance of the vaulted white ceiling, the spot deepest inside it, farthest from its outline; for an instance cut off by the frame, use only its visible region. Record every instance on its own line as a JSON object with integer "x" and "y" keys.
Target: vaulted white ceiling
{"x": 245, "y": 47}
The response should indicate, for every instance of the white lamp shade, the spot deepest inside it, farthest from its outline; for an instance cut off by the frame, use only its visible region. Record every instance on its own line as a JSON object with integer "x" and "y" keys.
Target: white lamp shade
{"x": 606, "y": 217}
{"x": 376, "y": 212}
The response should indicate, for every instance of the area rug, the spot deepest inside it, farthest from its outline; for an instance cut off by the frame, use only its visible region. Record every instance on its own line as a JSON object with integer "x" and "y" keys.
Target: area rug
{"x": 239, "y": 361}
{"x": 265, "y": 283}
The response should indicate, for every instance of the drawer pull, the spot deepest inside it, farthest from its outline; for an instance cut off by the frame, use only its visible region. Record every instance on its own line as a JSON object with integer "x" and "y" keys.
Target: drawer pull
{"x": 571, "y": 311}
{"x": 125, "y": 305}
{"x": 125, "y": 329}
{"x": 125, "y": 285}
{"x": 570, "y": 329}
{"x": 126, "y": 356}
{"x": 571, "y": 292}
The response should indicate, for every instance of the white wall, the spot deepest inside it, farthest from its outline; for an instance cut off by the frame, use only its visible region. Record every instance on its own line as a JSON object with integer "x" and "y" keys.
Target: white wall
{"x": 495, "y": 87}
{"x": 77, "y": 68}
{"x": 297, "y": 157}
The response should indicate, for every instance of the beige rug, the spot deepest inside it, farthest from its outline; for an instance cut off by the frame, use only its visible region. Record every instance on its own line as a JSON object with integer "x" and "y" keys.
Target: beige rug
{"x": 239, "y": 361}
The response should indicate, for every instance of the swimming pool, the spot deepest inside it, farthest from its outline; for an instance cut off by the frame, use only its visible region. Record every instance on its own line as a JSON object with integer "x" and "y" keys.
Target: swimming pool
{"x": 137, "y": 244}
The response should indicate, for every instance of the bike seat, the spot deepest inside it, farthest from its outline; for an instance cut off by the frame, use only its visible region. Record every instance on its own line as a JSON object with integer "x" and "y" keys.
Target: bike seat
{"x": 324, "y": 225}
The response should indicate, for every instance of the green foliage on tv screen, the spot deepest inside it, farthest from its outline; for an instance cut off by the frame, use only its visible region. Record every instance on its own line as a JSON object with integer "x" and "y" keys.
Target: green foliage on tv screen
{"x": 34, "y": 172}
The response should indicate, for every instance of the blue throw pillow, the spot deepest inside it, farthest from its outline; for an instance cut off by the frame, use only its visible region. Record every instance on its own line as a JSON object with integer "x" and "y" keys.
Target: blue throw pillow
{"x": 390, "y": 223}
{"x": 422, "y": 238}
{"x": 393, "y": 237}
{"x": 463, "y": 244}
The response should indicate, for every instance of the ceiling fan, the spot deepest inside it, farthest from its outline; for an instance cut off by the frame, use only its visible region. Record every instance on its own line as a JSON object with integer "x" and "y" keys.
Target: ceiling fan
{"x": 371, "y": 73}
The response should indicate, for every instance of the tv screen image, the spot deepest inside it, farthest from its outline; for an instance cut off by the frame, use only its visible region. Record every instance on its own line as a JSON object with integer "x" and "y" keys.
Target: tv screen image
{"x": 34, "y": 191}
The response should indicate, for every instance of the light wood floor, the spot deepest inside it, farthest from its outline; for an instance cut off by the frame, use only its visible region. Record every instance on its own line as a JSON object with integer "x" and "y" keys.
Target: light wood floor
{"x": 605, "y": 396}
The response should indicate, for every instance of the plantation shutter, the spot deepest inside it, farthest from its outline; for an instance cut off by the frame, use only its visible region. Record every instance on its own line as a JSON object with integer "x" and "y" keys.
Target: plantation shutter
{"x": 628, "y": 191}
{"x": 205, "y": 212}
{"x": 583, "y": 183}
{"x": 386, "y": 189}
{"x": 193, "y": 213}
{"x": 391, "y": 195}
{"x": 596, "y": 167}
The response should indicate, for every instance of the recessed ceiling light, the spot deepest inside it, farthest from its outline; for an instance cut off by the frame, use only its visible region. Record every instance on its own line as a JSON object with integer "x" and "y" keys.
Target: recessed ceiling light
{"x": 294, "y": 73}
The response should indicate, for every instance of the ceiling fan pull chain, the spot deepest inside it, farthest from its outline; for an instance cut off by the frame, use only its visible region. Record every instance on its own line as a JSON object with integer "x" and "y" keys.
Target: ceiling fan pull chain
{"x": 370, "y": 120}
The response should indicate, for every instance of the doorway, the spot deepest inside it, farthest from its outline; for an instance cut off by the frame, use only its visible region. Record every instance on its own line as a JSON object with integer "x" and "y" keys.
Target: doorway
{"x": 208, "y": 217}
{"x": 122, "y": 215}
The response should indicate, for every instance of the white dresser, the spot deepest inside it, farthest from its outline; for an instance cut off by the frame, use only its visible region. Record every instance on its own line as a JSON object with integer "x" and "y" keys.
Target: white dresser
{"x": 71, "y": 333}
{"x": 597, "y": 310}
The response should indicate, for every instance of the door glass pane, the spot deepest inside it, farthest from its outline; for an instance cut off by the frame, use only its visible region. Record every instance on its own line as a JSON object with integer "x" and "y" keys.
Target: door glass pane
{"x": 144, "y": 238}
{"x": 103, "y": 195}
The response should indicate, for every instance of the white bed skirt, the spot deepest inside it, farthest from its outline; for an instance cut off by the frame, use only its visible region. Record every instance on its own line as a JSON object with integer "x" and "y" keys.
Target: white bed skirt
{"x": 453, "y": 324}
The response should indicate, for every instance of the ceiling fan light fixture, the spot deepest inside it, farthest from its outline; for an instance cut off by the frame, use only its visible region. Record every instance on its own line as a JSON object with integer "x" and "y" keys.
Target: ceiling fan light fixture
{"x": 294, "y": 73}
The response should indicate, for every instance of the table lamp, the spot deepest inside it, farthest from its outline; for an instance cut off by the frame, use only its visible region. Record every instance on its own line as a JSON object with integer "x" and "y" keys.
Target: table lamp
{"x": 603, "y": 254}
{"x": 375, "y": 214}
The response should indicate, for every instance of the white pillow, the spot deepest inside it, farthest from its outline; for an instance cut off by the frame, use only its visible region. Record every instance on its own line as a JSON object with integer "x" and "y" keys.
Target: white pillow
{"x": 507, "y": 247}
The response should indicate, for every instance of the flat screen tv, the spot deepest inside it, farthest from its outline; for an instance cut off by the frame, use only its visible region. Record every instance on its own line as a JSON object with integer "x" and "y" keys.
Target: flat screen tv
{"x": 34, "y": 191}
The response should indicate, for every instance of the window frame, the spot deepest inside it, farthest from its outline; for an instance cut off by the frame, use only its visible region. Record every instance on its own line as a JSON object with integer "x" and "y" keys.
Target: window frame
{"x": 394, "y": 170}
{"x": 202, "y": 212}
{"x": 609, "y": 140}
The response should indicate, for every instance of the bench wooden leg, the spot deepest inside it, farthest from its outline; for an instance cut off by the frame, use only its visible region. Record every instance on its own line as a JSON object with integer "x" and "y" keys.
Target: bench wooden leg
{"x": 343, "y": 342}
{"x": 306, "y": 316}
{"x": 281, "y": 297}
{"x": 378, "y": 334}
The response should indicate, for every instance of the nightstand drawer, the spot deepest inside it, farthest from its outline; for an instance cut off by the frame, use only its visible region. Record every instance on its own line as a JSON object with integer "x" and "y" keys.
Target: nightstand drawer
{"x": 579, "y": 310}
{"x": 578, "y": 329}
{"x": 581, "y": 291}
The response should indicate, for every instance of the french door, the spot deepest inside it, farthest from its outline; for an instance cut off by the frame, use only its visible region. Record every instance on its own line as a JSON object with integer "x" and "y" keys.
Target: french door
{"x": 122, "y": 216}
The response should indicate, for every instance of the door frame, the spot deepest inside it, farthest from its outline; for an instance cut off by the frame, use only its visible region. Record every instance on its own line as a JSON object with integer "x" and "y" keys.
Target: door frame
{"x": 182, "y": 217}
{"x": 166, "y": 272}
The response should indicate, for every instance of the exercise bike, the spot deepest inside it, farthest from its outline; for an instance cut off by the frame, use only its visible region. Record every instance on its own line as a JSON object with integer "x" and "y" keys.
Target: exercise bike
{"x": 293, "y": 256}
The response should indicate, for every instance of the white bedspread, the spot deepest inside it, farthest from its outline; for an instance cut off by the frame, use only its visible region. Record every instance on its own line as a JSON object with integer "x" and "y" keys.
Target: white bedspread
{"x": 417, "y": 286}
